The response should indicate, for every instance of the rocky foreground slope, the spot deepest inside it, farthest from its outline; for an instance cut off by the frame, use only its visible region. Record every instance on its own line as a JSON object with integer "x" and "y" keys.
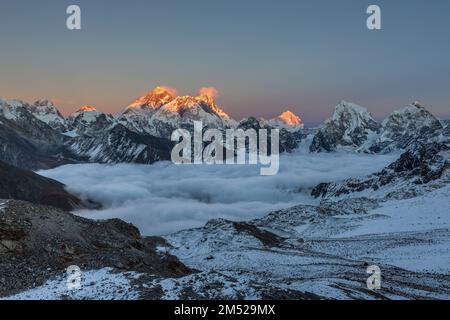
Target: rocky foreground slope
{"x": 38, "y": 243}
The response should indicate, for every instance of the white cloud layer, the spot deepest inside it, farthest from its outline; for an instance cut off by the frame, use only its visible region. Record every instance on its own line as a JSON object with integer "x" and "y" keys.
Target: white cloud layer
{"x": 164, "y": 198}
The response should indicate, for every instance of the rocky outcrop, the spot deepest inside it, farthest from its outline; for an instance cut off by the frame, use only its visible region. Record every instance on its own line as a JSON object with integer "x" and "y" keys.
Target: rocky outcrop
{"x": 289, "y": 139}
{"x": 17, "y": 116}
{"x": 351, "y": 126}
{"x": 88, "y": 121}
{"x": 26, "y": 141}
{"x": 38, "y": 243}
{"x": 19, "y": 151}
{"x": 119, "y": 144}
{"x": 407, "y": 126}
{"x": 47, "y": 112}
{"x": 420, "y": 164}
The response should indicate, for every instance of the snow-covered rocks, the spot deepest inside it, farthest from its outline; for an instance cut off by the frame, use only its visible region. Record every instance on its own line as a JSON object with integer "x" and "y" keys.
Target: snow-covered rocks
{"x": 406, "y": 126}
{"x": 137, "y": 115}
{"x": 102, "y": 284}
{"x": 120, "y": 145}
{"x": 350, "y": 126}
{"x": 288, "y": 121}
{"x": 413, "y": 171}
{"x": 183, "y": 111}
{"x": 12, "y": 109}
{"x": 47, "y": 112}
{"x": 38, "y": 243}
{"x": 161, "y": 111}
{"x": 26, "y": 141}
{"x": 88, "y": 120}
{"x": 304, "y": 253}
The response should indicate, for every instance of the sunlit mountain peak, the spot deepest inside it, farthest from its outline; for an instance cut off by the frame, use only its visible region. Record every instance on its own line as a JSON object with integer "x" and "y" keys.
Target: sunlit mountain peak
{"x": 290, "y": 118}
{"x": 155, "y": 99}
{"x": 87, "y": 109}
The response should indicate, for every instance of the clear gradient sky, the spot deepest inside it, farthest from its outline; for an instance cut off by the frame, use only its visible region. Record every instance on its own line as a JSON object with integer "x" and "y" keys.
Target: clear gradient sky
{"x": 263, "y": 56}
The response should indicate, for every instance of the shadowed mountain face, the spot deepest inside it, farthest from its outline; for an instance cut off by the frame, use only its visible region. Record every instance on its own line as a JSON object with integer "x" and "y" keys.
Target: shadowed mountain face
{"x": 25, "y": 185}
{"x": 19, "y": 150}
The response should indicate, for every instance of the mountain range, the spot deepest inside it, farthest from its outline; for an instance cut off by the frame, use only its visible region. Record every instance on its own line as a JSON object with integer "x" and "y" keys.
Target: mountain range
{"x": 37, "y": 136}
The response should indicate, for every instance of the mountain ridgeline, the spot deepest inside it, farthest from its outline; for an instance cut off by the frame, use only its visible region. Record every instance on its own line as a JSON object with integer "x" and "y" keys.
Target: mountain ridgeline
{"x": 37, "y": 136}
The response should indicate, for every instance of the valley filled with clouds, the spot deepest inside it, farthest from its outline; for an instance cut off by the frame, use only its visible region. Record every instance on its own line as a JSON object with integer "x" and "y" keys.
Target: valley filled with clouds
{"x": 164, "y": 198}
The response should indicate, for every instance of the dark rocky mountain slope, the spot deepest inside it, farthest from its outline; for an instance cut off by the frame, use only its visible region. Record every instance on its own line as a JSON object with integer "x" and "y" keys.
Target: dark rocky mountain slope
{"x": 20, "y": 184}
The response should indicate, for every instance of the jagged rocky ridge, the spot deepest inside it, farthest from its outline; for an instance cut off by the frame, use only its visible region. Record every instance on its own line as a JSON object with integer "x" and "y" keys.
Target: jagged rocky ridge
{"x": 352, "y": 127}
{"x": 120, "y": 145}
{"x": 38, "y": 243}
{"x": 406, "y": 126}
{"x": 26, "y": 141}
{"x": 419, "y": 165}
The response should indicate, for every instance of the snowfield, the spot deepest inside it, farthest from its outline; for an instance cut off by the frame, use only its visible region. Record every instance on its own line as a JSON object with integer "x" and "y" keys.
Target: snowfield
{"x": 424, "y": 219}
{"x": 100, "y": 284}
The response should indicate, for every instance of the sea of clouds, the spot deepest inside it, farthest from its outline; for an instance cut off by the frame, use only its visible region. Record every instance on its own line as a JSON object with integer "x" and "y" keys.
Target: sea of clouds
{"x": 163, "y": 198}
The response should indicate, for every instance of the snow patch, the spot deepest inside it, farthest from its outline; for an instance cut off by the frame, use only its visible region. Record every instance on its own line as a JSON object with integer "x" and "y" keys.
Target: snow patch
{"x": 100, "y": 284}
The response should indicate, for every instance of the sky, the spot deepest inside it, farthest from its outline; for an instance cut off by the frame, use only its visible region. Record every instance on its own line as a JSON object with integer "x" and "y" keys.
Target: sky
{"x": 263, "y": 56}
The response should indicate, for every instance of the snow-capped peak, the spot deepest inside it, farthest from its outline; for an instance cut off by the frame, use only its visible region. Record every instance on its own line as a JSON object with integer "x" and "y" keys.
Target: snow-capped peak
{"x": 88, "y": 109}
{"x": 88, "y": 119}
{"x": 85, "y": 115}
{"x": 350, "y": 126}
{"x": 287, "y": 120}
{"x": 46, "y": 111}
{"x": 12, "y": 109}
{"x": 44, "y": 103}
{"x": 154, "y": 99}
{"x": 184, "y": 105}
{"x": 184, "y": 110}
{"x": 348, "y": 109}
{"x": 290, "y": 118}
{"x": 86, "y": 112}
{"x": 413, "y": 112}
{"x": 137, "y": 115}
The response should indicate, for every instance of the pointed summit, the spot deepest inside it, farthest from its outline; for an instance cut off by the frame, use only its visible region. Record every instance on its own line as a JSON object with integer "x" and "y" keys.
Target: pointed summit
{"x": 87, "y": 109}
{"x": 287, "y": 120}
{"x": 87, "y": 113}
{"x": 409, "y": 124}
{"x": 88, "y": 120}
{"x": 290, "y": 118}
{"x": 154, "y": 99}
{"x": 350, "y": 126}
{"x": 137, "y": 115}
{"x": 46, "y": 111}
